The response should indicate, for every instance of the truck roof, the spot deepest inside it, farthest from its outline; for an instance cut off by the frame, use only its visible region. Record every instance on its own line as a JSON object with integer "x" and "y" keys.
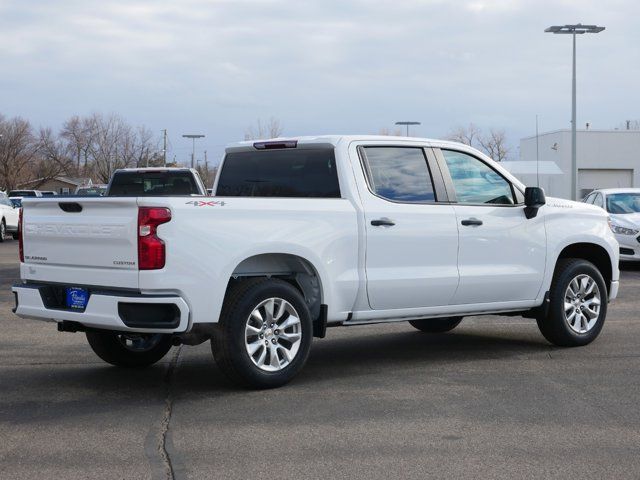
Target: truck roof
{"x": 154, "y": 169}
{"x": 609, "y": 191}
{"x": 334, "y": 140}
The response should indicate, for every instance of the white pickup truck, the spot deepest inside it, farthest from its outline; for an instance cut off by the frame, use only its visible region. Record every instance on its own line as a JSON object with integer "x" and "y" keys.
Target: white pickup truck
{"x": 311, "y": 232}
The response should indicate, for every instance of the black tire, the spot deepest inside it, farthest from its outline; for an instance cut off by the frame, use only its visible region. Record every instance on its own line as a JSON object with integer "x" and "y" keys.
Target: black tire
{"x": 111, "y": 347}
{"x": 3, "y": 230}
{"x": 436, "y": 325}
{"x": 228, "y": 344}
{"x": 15, "y": 235}
{"x": 554, "y": 326}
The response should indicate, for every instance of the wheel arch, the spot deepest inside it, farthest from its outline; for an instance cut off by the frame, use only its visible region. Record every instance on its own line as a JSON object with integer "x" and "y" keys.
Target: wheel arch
{"x": 593, "y": 253}
{"x": 296, "y": 270}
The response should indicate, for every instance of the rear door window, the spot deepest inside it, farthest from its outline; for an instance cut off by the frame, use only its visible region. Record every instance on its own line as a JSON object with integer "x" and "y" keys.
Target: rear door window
{"x": 399, "y": 174}
{"x": 299, "y": 173}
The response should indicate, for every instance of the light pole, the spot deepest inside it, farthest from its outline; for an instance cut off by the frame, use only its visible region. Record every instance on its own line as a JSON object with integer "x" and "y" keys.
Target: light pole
{"x": 164, "y": 147}
{"x": 407, "y": 125}
{"x": 193, "y": 151}
{"x": 574, "y": 30}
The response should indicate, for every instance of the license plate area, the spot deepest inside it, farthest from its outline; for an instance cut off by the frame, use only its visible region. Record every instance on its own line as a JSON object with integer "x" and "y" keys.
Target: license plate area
{"x": 76, "y": 298}
{"x": 62, "y": 297}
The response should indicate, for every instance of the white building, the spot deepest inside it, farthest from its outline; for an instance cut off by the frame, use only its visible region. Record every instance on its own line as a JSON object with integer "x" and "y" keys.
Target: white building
{"x": 606, "y": 159}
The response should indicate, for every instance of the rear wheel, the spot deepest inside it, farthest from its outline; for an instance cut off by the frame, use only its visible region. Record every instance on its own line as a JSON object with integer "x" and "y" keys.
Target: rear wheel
{"x": 578, "y": 304}
{"x": 265, "y": 333}
{"x": 129, "y": 349}
{"x": 15, "y": 235}
{"x": 3, "y": 230}
{"x": 436, "y": 325}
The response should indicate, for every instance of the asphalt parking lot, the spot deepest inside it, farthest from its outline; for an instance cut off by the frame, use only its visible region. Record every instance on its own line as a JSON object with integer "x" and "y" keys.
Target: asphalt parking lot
{"x": 490, "y": 400}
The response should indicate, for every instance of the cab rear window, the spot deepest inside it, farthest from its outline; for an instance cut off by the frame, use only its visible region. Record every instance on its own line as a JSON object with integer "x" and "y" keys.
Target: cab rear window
{"x": 299, "y": 173}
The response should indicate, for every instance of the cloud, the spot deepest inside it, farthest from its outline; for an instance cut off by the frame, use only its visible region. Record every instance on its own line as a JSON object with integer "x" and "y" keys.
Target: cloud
{"x": 320, "y": 66}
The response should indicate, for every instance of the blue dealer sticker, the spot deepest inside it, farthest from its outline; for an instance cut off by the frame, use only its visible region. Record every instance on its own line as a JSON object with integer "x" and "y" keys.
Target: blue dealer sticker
{"x": 77, "y": 297}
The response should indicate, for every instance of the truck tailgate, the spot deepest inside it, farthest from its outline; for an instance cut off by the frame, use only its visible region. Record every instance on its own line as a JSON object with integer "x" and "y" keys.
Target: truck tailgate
{"x": 85, "y": 241}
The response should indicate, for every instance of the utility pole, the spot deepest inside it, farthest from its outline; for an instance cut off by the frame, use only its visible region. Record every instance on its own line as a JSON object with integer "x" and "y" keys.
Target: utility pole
{"x": 537, "y": 155}
{"x": 164, "y": 147}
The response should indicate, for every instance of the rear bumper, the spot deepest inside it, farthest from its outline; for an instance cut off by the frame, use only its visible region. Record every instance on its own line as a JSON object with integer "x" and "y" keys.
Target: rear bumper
{"x": 110, "y": 311}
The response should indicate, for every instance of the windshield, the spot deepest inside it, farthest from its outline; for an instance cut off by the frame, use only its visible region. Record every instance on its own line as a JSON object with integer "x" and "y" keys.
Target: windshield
{"x": 153, "y": 184}
{"x": 621, "y": 203}
{"x": 22, "y": 193}
{"x": 92, "y": 191}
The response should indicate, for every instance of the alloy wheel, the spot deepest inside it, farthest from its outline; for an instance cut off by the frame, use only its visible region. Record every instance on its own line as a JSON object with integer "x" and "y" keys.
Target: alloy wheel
{"x": 273, "y": 333}
{"x": 582, "y": 302}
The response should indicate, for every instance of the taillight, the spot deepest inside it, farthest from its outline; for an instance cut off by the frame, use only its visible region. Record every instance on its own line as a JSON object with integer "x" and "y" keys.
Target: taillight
{"x": 20, "y": 241}
{"x": 151, "y": 252}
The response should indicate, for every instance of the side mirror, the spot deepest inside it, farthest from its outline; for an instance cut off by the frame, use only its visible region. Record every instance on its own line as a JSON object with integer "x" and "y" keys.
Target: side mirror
{"x": 533, "y": 199}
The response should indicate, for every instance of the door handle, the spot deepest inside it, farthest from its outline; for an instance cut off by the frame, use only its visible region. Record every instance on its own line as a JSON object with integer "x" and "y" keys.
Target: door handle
{"x": 473, "y": 222}
{"x": 383, "y": 222}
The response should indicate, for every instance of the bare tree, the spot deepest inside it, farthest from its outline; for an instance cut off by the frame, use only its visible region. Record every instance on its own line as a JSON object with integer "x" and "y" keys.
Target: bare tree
{"x": 53, "y": 159}
{"x": 467, "y": 135}
{"x": 263, "y": 130}
{"x": 629, "y": 125}
{"x": 111, "y": 147}
{"x": 495, "y": 145}
{"x": 92, "y": 146}
{"x": 207, "y": 174}
{"x": 146, "y": 151}
{"x": 18, "y": 149}
{"x": 79, "y": 133}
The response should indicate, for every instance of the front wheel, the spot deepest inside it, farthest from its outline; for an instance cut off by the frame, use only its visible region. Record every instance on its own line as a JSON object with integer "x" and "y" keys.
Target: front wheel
{"x": 129, "y": 349}
{"x": 265, "y": 333}
{"x": 436, "y": 325}
{"x": 3, "y": 230}
{"x": 578, "y": 304}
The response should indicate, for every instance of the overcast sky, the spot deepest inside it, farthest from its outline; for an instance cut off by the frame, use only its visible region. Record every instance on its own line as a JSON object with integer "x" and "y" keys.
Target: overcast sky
{"x": 330, "y": 66}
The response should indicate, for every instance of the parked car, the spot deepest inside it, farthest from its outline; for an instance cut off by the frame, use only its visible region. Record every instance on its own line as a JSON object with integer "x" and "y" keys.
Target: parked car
{"x": 308, "y": 233}
{"x": 155, "y": 182}
{"x": 623, "y": 206}
{"x": 8, "y": 217}
{"x": 92, "y": 191}
{"x": 24, "y": 193}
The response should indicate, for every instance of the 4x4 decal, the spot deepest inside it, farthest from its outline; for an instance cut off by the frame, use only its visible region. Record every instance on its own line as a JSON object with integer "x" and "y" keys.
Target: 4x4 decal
{"x": 206, "y": 203}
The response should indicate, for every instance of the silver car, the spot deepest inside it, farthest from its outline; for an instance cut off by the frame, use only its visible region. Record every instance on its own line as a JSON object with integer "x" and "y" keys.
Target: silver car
{"x": 623, "y": 206}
